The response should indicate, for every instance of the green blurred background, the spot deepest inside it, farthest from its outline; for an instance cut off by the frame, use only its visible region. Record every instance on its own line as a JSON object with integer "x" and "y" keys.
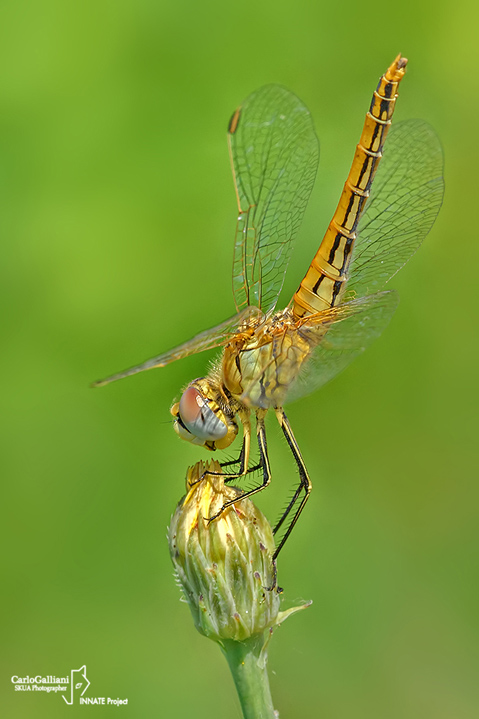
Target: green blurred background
{"x": 117, "y": 212}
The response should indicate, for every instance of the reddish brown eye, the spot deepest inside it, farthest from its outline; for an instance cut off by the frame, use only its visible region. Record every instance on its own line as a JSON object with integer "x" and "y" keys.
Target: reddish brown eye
{"x": 198, "y": 418}
{"x": 191, "y": 403}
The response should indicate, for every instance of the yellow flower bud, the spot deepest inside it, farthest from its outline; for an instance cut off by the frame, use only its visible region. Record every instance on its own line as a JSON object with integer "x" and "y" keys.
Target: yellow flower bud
{"x": 224, "y": 567}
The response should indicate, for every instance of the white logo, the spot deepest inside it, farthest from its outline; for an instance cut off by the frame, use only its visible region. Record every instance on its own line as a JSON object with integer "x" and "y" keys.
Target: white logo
{"x": 72, "y": 687}
{"x": 76, "y": 685}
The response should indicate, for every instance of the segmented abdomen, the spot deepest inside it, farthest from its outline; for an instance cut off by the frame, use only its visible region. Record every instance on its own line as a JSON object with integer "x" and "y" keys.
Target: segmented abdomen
{"x": 326, "y": 277}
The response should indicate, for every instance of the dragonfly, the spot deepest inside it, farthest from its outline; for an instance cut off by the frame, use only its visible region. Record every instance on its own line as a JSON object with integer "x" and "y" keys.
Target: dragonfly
{"x": 389, "y": 203}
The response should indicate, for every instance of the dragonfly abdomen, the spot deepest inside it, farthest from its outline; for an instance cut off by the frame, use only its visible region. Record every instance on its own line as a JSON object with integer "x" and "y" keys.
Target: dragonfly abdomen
{"x": 325, "y": 280}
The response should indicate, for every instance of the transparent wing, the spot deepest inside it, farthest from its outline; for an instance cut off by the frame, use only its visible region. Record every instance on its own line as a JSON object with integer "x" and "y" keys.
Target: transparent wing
{"x": 348, "y": 330}
{"x": 214, "y": 337}
{"x": 406, "y": 196}
{"x": 274, "y": 153}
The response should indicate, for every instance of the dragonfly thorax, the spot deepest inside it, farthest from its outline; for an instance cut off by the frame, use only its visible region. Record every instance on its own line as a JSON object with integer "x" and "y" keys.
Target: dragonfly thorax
{"x": 203, "y": 417}
{"x": 259, "y": 367}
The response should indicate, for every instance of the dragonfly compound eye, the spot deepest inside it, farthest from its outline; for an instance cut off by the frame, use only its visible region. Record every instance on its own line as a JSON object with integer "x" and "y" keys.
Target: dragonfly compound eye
{"x": 198, "y": 418}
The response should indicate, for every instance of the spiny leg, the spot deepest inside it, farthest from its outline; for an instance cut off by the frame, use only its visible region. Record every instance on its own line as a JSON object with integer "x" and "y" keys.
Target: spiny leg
{"x": 242, "y": 464}
{"x": 288, "y": 509}
{"x": 243, "y": 459}
{"x": 240, "y": 459}
{"x": 264, "y": 465}
{"x": 305, "y": 482}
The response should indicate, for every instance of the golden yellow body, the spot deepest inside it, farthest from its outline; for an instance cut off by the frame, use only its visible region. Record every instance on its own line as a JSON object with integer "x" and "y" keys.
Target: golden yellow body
{"x": 259, "y": 364}
{"x": 325, "y": 281}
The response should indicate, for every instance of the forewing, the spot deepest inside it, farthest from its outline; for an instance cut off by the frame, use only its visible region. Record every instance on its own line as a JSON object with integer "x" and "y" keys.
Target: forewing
{"x": 274, "y": 152}
{"x": 406, "y": 196}
{"x": 350, "y": 329}
{"x": 214, "y": 337}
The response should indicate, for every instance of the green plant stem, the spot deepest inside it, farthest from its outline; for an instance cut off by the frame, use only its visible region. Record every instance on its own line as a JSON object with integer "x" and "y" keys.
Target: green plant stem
{"x": 247, "y": 661}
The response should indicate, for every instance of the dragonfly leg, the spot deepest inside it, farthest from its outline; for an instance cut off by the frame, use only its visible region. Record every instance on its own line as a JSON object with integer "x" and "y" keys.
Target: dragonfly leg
{"x": 304, "y": 485}
{"x": 240, "y": 459}
{"x": 242, "y": 464}
{"x": 264, "y": 465}
{"x": 243, "y": 459}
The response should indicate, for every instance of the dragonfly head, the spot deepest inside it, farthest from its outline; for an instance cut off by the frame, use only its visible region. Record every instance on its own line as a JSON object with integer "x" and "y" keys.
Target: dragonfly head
{"x": 200, "y": 418}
